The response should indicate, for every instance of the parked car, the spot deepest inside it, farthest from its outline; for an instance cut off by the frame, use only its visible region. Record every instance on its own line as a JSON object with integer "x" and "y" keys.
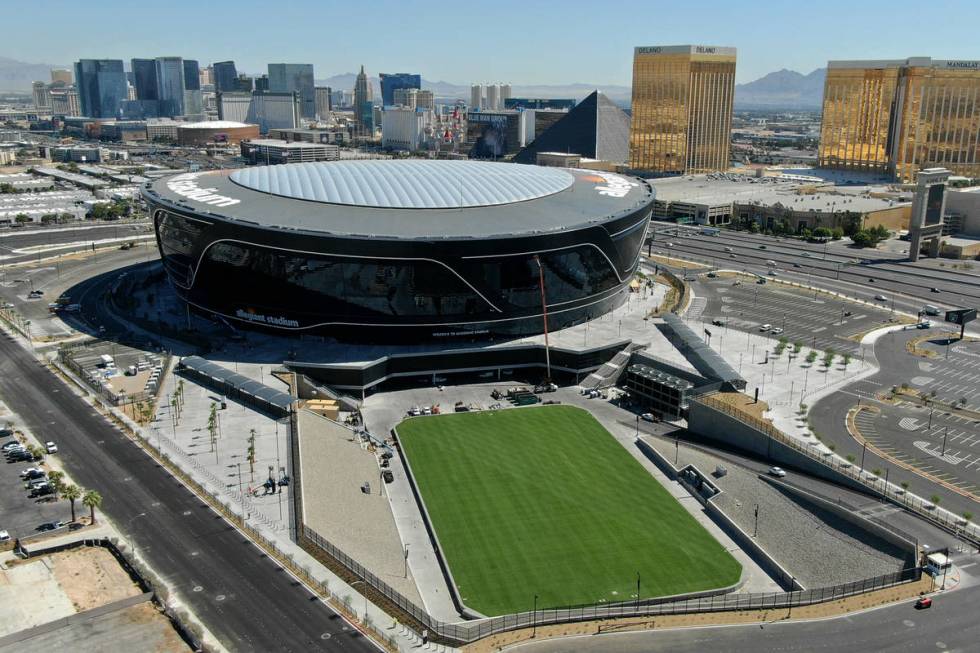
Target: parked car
{"x": 765, "y": 327}
{"x": 50, "y": 526}
{"x": 6, "y": 433}
{"x": 42, "y": 490}
{"x": 4, "y": 536}
{"x": 13, "y": 444}
{"x": 388, "y": 476}
{"x": 648, "y": 417}
{"x": 778, "y": 472}
{"x": 50, "y": 447}
{"x": 776, "y": 330}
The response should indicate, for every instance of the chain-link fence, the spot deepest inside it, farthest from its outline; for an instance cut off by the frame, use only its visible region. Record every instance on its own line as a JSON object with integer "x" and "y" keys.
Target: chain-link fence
{"x": 474, "y": 630}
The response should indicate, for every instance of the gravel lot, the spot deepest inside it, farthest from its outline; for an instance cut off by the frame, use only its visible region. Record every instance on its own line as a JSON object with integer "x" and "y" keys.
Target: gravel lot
{"x": 801, "y": 539}
{"x": 359, "y": 524}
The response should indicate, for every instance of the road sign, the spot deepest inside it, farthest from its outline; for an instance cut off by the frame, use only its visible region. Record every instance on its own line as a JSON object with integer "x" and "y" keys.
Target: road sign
{"x": 961, "y": 315}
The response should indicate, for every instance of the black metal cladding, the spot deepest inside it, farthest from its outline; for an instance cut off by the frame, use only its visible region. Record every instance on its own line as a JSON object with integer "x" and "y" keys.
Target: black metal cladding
{"x": 407, "y": 288}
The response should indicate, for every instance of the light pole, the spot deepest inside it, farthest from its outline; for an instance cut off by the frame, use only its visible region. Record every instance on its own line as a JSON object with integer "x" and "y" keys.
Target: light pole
{"x": 544, "y": 317}
{"x": 637, "y": 592}
{"x": 406, "y": 561}
{"x": 534, "y": 618}
{"x": 945, "y": 433}
{"x": 241, "y": 491}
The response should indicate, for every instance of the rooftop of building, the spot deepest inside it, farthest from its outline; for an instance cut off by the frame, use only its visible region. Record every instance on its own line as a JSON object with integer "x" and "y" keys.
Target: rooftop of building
{"x": 911, "y": 62}
{"x": 277, "y": 142}
{"x": 433, "y": 198}
{"x": 722, "y": 188}
{"x": 214, "y": 124}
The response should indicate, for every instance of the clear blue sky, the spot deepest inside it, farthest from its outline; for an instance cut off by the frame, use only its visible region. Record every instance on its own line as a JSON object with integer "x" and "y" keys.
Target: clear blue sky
{"x": 517, "y": 41}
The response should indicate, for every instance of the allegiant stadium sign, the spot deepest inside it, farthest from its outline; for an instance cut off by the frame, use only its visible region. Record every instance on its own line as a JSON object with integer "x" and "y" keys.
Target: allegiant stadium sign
{"x": 186, "y": 186}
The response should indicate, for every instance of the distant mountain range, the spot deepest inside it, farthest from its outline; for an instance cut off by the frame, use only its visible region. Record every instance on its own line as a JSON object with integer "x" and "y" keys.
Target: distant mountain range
{"x": 17, "y": 75}
{"x": 783, "y": 89}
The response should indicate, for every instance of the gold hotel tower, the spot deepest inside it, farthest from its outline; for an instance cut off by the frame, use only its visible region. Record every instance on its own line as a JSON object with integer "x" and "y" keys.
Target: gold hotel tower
{"x": 682, "y": 108}
{"x": 897, "y": 117}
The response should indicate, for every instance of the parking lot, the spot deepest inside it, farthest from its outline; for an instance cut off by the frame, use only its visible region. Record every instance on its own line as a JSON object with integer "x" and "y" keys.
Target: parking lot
{"x": 817, "y": 320}
{"x": 20, "y": 515}
{"x": 953, "y": 378}
{"x": 946, "y": 445}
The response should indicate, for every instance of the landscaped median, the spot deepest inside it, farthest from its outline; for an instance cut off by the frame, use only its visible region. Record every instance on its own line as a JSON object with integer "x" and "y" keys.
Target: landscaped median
{"x": 826, "y": 610}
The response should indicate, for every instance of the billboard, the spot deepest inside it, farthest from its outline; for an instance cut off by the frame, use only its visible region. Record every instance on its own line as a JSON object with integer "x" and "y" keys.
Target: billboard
{"x": 934, "y": 204}
{"x": 961, "y": 315}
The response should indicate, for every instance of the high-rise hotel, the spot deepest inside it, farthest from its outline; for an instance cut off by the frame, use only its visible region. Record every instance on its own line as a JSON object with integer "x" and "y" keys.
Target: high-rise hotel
{"x": 897, "y": 117}
{"x": 682, "y": 109}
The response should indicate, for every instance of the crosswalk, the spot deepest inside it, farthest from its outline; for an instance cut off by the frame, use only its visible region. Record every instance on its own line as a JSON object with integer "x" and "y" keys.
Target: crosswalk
{"x": 696, "y": 308}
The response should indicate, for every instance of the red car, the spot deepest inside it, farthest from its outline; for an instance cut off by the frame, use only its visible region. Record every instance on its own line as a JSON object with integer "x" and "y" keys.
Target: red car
{"x": 923, "y": 603}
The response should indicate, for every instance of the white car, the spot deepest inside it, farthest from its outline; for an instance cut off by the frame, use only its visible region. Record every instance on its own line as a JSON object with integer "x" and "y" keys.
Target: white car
{"x": 881, "y": 298}
{"x": 765, "y": 327}
{"x": 51, "y": 447}
{"x": 27, "y": 471}
{"x": 778, "y": 472}
{"x": 776, "y": 331}
{"x": 4, "y": 536}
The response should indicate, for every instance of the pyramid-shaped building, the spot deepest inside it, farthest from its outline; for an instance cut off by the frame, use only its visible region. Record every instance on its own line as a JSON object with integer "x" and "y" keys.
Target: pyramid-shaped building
{"x": 596, "y": 129}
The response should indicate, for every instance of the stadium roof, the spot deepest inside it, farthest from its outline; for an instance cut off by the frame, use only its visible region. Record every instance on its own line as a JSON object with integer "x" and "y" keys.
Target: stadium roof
{"x": 406, "y": 199}
{"x": 406, "y": 184}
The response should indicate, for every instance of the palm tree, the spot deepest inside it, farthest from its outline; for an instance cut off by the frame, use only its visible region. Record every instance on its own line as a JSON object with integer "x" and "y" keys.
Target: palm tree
{"x": 71, "y": 492}
{"x": 92, "y": 500}
{"x": 57, "y": 480}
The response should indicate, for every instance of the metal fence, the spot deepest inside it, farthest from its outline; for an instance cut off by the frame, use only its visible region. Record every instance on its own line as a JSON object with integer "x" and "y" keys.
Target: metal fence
{"x": 874, "y": 483}
{"x": 473, "y": 630}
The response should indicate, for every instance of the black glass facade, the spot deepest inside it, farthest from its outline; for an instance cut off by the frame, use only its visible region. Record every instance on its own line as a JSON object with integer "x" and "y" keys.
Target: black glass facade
{"x": 390, "y": 289}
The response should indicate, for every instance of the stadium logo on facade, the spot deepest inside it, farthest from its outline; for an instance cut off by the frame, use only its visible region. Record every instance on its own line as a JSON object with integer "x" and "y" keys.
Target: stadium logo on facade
{"x": 186, "y": 186}
{"x": 615, "y": 186}
{"x": 266, "y": 319}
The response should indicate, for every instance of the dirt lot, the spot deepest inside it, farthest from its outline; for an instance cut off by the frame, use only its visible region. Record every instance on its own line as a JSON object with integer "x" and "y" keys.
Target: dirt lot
{"x": 91, "y": 577}
{"x": 743, "y": 402}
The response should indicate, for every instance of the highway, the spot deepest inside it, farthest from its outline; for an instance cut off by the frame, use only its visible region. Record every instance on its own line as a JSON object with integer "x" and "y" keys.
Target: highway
{"x": 247, "y": 601}
{"x": 831, "y": 266}
{"x": 34, "y": 243}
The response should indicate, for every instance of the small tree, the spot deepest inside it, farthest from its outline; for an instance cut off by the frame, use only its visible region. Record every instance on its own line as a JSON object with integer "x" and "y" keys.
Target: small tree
{"x": 72, "y": 493}
{"x": 905, "y": 491}
{"x": 845, "y": 359}
{"x": 251, "y": 453}
{"x": 828, "y": 358}
{"x": 851, "y": 458}
{"x": 812, "y": 356}
{"x": 935, "y": 499}
{"x": 92, "y": 500}
{"x": 797, "y": 347}
{"x": 967, "y": 516}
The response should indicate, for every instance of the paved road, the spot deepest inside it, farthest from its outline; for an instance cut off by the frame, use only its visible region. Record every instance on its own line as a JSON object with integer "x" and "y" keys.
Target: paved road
{"x": 63, "y": 239}
{"x": 247, "y": 601}
{"x": 830, "y": 267}
{"x": 950, "y": 625}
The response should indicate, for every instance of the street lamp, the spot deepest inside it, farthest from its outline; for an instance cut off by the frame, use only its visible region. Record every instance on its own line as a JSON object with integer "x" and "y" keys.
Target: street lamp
{"x": 406, "y": 561}
{"x": 945, "y": 433}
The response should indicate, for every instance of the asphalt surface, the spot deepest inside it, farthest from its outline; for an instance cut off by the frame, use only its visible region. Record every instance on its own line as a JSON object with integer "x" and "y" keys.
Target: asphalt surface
{"x": 16, "y": 245}
{"x": 248, "y": 602}
{"x": 20, "y": 515}
{"x": 897, "y": 366}
{"x": 816, "y": 320}
{"x": 949, "y": 625}
{"x": 835, "y": 266}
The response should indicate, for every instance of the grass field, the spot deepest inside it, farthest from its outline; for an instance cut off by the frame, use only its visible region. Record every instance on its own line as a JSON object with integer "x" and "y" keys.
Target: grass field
{"x": 545, "y": 501}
